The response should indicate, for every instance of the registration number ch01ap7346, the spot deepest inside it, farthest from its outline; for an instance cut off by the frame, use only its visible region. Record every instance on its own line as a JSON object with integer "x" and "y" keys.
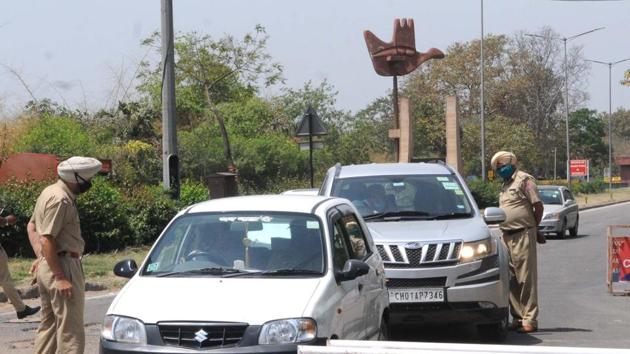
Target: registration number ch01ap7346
{"x": 416, "y": 295}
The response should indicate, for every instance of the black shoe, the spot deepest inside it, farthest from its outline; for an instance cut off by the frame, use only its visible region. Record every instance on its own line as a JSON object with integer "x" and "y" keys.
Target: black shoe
{"x": 28, "y": 311}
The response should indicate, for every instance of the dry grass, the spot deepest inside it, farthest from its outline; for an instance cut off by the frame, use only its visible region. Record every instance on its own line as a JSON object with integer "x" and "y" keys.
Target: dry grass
{"x": 617, "y": 195}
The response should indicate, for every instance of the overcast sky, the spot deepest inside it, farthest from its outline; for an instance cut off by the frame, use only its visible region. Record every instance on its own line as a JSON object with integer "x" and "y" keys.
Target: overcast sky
{"x": 72, "y": 51}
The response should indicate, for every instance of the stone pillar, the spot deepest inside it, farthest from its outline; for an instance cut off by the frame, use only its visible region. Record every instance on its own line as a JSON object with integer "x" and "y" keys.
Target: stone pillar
{"x": 453, "y": 141}
{"x": 404, "y": 134}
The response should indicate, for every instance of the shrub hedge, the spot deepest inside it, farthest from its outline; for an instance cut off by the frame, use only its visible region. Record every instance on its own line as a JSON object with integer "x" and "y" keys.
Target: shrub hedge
{"x": 110, "y": 217}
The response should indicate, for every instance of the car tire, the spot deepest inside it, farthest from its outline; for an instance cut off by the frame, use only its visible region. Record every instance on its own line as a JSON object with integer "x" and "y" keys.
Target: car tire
{"x": 574, "y": 230}
{"x": 563, "y": 229}
{"x": 383, "y": 332}
{"x": 494, "y": 332}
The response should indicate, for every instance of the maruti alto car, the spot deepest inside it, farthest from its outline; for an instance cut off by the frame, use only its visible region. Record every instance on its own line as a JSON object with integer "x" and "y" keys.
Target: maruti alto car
{"x": 257, "y": 274}
{"x": 443, "y": 265}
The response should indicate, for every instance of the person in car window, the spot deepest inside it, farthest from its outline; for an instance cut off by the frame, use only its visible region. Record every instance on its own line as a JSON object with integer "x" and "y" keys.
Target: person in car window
{"x": 523, "y": 207}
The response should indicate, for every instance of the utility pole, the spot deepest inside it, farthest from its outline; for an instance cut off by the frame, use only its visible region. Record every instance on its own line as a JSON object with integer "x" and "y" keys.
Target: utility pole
{"x": 610, "y": 65}
{"x": 170, "y": 159}
{"x": 483, "y": 132}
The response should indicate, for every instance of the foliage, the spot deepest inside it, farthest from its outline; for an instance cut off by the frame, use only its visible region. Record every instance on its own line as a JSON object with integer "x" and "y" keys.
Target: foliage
{"x": 587, "y": 132}
{"x": 595, "y": 185}
{"x": 63, "y": 136}
{"x": 486, "y": 194}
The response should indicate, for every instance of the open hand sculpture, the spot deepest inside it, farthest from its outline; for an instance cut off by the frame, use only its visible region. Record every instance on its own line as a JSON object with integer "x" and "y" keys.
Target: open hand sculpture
{"x": 398, "y": 57}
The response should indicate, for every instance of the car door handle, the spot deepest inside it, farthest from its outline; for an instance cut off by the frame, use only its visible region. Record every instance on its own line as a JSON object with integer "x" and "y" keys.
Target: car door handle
{"x": 360, "y": 286}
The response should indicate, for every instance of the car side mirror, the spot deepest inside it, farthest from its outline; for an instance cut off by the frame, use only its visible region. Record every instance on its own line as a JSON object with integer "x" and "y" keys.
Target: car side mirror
{"x": 569, "y": 202}
{"x": 494, "y": 215}
{"x": 126, "y": 268}
{"x": 352, "y": 269}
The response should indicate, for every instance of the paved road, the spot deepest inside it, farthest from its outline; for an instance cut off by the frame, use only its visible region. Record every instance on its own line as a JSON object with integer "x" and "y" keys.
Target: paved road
{"x": 575, "y": 308}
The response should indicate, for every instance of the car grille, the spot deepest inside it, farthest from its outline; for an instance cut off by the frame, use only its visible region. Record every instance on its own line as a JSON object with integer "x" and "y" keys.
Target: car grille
{"x": 428, "y": 255}
{"x": 201, "y": 335}
{"x": 415, "y": 283}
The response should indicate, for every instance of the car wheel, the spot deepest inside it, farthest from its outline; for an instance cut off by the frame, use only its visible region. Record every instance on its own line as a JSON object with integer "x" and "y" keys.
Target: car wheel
{"x": 494, "y": 332}
{"x": 383, "y": 333}
{"x": 563, "y": 229}
{"x": 574, "y": 230}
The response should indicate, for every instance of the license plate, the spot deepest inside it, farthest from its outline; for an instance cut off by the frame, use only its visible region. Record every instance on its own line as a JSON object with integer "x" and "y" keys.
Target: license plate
{"x": 416, "y": 295}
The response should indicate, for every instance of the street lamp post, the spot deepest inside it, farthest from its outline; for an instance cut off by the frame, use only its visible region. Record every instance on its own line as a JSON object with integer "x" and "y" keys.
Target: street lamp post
{"x": 481, "y": 108}
{"x": 610, "y": 65}
{"x": 566, "y": 89}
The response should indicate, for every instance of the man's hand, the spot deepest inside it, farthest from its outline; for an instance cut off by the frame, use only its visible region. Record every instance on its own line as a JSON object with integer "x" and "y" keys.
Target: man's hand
{"x": 64, "y": 287}
{"x": 34, "y": 266}
{"x": 540, "y": 237}
{"x": 11, "y": 219}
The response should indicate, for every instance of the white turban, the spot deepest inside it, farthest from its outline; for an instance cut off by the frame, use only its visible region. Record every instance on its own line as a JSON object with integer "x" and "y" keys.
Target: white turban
{"x": 503, "y": 157}
{"x": 86, "y": 167}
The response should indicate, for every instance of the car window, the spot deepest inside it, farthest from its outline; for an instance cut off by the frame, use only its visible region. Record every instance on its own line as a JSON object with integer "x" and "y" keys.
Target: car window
{"x": 340, "y": 247}
{"x": 567, "y": 195}
{"x": 358, "y": 243}
{"x": 431, "y": 194}
{"x": 550, "y": 196}
{"x": 250, "y": 241}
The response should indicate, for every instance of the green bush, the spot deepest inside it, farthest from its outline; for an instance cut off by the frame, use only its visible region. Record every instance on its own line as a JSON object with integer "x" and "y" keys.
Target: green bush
{"x": 149, "y": 209}
{"x": 486, "y": 194}
{"x": 593, "y": 186}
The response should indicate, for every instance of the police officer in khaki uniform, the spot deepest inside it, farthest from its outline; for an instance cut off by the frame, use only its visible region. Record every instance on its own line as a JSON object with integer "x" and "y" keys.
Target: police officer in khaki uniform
{"x": 5, "y": 277}
{"x": 523, "y": 208}
{"x": 60, "y": 274}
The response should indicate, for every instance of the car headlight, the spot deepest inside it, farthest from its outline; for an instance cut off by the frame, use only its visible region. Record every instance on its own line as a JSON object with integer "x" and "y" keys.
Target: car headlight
{"x": 551, "y": 216}
{"x": 478, "y": 249}
{"x": 292, "y": 330}
{"x": 123, "y": 329}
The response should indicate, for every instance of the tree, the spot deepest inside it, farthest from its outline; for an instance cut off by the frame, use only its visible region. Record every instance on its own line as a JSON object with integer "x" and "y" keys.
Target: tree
{"x": 63, "y": 136}
{"x": 587, "y": 131}
{"x": 209, "y": 72}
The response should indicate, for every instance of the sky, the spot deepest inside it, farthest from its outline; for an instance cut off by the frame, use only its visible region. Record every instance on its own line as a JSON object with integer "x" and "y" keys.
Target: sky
{"x": 75, "y": 51}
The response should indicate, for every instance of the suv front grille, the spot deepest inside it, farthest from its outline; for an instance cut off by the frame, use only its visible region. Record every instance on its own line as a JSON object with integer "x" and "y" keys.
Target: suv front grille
{"x": 415, "y": 283}
{"x": 431, "y": 254}
{"x": 201, "y": 335}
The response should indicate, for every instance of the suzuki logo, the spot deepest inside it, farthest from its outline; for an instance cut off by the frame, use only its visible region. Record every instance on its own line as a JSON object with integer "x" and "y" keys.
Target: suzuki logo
{"x": 413, "y": 245}
{"x": 201, "y": 336}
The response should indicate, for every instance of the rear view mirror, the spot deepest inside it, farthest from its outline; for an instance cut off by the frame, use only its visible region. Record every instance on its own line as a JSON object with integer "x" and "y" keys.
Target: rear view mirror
{"x": 494, "y": 215}
{"x": 126, "y": 268}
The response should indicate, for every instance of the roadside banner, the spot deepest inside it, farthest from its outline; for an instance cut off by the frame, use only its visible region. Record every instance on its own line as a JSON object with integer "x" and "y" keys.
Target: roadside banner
{"x": 619, "y": 259}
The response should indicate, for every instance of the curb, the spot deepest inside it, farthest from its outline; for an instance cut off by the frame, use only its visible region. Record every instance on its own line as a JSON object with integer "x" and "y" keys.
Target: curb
{"x": 32, "y": 292}
{"x": 586, "y": 207}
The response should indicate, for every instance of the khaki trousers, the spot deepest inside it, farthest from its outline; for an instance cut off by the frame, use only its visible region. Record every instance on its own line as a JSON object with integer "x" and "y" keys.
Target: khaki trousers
{"x": 61, "y": 329}
{"x": 524, "y": 276}
{"x": 7, "y": 283}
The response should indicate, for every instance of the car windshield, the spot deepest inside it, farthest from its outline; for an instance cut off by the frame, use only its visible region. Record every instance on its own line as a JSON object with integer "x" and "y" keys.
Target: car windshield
{"x": 382, "y": 198}
{"x": 550, "y": 196}
{"x": 229, "y": 244}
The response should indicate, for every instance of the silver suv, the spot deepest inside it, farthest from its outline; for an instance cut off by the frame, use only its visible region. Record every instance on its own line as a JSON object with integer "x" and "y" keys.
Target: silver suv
{"x": 442, "y": 263}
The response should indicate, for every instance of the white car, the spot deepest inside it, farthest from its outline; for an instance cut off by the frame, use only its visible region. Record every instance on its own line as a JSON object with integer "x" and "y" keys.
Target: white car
{"x": 257, "y": 274}
{"x": 561, "y": 211}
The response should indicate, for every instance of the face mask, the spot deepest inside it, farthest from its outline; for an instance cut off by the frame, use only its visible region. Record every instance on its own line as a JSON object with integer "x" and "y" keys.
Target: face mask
{"x": 506, "y": 171}
{"x": 84, "y": 185}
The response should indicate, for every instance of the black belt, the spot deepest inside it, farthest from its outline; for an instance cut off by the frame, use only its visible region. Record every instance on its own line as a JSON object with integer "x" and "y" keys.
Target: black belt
{"x": 514, "y": 231}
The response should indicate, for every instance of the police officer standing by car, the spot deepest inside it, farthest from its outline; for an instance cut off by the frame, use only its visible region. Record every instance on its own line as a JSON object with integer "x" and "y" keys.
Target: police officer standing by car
{"x": 60, "y": 275}
{"x": 523, "y": 208}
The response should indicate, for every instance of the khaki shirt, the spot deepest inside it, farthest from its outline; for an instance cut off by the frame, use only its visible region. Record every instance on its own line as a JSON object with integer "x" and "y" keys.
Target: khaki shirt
{"x": 56, "y": 214}
{"x": 517, "y": 197}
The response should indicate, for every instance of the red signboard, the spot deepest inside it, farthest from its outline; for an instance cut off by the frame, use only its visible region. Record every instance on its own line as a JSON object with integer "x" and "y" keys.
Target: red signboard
{"x": 578, "y": 168}
{"x": 620, "y": 260}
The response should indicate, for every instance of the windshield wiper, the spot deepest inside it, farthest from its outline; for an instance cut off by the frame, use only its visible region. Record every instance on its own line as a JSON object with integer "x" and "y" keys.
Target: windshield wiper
{"x": 397, "y": 215}
{"x": 291, "y": 271}
{"x": 208, "y": 271}
{"x": 450, "y": 216}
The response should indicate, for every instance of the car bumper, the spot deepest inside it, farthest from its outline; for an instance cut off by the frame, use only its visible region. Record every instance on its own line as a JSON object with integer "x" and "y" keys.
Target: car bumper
{"x": 548, "y": 226}
{"x": 107, "y": 347}
{"x": 475, "y": 292}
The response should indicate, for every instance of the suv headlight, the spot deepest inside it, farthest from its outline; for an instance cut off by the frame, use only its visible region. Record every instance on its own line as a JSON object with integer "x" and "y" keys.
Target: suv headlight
{"x": 474, "y": 250}
{"x": 124, "y": 329}
{"x": 292, "y": 330}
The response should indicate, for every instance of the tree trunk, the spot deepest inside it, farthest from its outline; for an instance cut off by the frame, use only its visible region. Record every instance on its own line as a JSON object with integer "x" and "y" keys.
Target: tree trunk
{"x": 227, "y": 150}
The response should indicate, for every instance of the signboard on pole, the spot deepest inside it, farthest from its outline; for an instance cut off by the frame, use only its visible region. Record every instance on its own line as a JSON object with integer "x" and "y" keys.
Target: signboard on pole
{"x": 619, "y": 259}
{"x": 578, "y": 168}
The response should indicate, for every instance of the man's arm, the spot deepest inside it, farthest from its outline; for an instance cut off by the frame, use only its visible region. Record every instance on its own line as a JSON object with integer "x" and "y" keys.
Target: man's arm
{"x": 49, "y": 250}
{"x": 33, "y": 238}
{"x": 538, "y": 212}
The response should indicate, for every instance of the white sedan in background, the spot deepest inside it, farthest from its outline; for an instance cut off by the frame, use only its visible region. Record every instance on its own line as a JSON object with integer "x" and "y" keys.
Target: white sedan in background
{"x": 561, "y": 211}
